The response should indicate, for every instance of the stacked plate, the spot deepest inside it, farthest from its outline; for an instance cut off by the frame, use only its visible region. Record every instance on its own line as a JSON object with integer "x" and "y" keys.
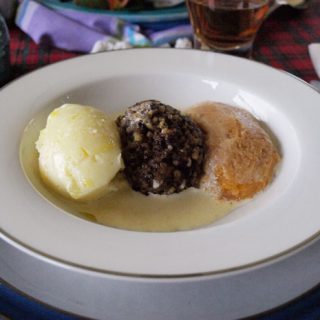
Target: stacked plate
{"x": 261, "y": 255}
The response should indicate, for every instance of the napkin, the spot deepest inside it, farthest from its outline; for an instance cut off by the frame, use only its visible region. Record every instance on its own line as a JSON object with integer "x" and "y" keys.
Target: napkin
{"x": 83, "y": 31}
{"x": 314, "y": 52}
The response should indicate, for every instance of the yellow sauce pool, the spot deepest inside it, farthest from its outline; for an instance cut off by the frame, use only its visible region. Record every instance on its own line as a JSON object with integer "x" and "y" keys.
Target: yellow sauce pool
{"x": 124, "y": 208}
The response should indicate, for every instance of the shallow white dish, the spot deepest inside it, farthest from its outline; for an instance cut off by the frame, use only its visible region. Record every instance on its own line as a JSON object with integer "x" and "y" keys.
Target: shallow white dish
{"x": 279, "y": 221}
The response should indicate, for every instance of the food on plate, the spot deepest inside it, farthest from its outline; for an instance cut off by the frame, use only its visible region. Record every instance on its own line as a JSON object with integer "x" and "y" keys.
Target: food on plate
{"x": 162, "y": 149}
{"x": 79, "y": 151}
{"x": 153, "y": 168}
{"x": 241, "y": 157}
{"x": 102, "y": 4}
{"x": 129, "y": 5}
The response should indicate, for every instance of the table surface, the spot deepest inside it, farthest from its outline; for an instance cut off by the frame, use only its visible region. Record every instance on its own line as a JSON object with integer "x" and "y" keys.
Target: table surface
{"x": 282, "y": 42}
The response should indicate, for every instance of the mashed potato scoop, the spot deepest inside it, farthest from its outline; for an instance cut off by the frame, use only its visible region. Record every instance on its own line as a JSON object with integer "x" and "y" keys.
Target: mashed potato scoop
{"x": 79, "y": 152}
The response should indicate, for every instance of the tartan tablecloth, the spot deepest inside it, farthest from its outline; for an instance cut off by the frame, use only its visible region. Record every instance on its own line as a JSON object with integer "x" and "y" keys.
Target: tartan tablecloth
{"x": 281, "y": 42}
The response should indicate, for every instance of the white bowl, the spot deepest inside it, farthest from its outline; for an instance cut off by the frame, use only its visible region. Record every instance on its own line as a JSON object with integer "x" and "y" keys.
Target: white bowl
{"x": 279, "y": 221}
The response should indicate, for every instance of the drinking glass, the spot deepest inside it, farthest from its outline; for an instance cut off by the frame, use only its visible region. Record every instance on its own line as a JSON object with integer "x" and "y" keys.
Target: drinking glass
{"x": 227, "y": 26}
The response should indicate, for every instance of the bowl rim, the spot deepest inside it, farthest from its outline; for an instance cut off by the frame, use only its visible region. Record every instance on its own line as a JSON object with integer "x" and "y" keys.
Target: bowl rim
{"x": 283, "y": 254}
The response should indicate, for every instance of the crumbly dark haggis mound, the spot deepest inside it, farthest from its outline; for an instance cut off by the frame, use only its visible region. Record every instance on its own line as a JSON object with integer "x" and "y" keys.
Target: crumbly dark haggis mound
{"x": 163, "y": 150}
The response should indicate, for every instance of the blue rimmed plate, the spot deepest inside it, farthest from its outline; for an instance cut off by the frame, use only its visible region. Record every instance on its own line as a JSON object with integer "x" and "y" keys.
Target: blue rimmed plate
{"x": 178, "y": 13}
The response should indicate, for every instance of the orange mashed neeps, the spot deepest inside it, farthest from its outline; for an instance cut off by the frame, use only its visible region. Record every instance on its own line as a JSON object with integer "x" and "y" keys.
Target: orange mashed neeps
{"x": 241, "y": 157}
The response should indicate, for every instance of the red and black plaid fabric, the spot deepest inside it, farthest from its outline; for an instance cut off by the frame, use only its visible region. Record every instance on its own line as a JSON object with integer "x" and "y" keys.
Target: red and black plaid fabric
{"x": 26, "y": 56}
{"x": 282, "y": 42}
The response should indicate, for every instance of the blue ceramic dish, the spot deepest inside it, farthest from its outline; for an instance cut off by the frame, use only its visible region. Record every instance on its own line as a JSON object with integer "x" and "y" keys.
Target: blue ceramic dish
{"x": 178, "y": 13}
